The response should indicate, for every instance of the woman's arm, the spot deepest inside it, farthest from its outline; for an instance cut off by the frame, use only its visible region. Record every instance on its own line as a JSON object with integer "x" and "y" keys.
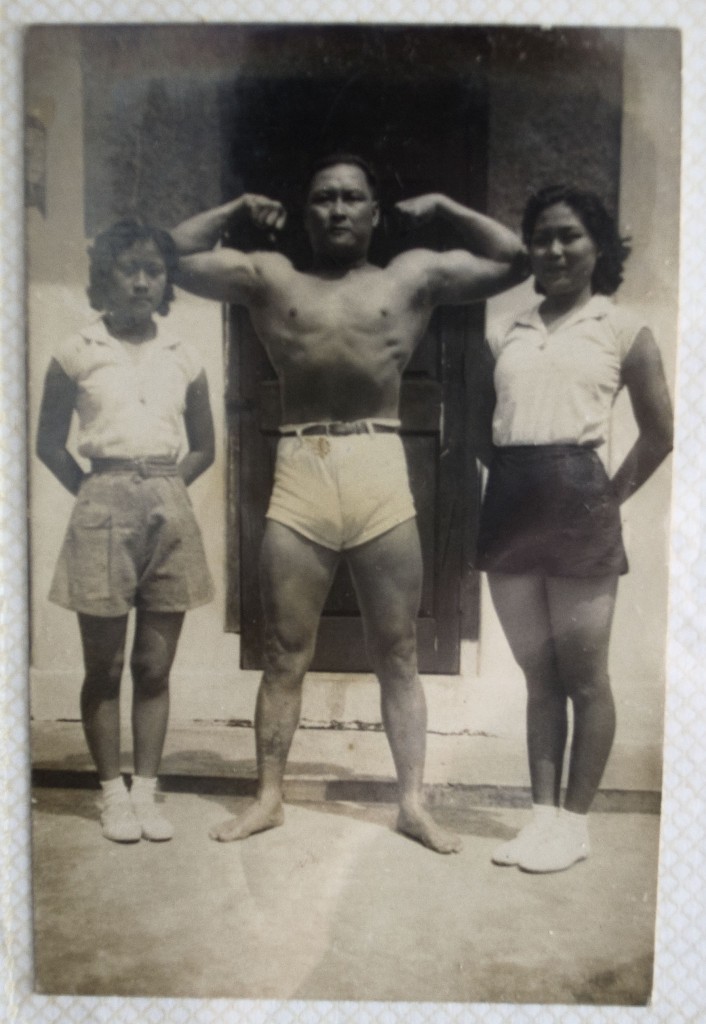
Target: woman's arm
{"x": 643, "y": 375}
{"x": 198, "y": 421}
{"x": 56, "y": 410}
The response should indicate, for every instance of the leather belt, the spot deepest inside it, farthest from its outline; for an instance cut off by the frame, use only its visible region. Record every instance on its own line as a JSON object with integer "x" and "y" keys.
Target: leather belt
{"x": 336, "y": 428}
{"x": 144, "y": 467}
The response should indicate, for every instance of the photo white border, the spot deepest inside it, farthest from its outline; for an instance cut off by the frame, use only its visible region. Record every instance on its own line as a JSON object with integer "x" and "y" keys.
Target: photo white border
{"x": 680, "y": 987}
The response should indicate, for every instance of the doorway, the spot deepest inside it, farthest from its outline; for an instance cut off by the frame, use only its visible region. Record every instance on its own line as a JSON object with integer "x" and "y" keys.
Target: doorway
{"x": 418, "y": 111}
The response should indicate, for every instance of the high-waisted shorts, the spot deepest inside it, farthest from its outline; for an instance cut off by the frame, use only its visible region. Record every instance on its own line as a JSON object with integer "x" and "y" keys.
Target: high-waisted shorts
{"x": 341, "y": 491}
{"x": 132, "y": 541}
{"x": 549, "y": 510}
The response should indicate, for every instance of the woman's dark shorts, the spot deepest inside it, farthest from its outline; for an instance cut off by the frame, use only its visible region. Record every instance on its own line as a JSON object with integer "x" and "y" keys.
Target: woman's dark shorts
{"x": 549, "y": 510}
{"x": 132, "y": 541}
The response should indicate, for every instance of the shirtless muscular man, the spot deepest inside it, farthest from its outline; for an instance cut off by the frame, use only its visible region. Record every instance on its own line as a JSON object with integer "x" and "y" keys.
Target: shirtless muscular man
{"x": 339, "y": 337}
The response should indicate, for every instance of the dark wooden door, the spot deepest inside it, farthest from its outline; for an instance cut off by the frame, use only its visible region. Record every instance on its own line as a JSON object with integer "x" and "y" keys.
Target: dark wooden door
{"x": 424, "y": 125}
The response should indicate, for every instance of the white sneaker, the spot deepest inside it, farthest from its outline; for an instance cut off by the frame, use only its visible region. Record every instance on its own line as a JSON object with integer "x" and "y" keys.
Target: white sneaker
{"x": 151, "y": 822}
{"x": 510, "y": 853}
{"x": 556, "y": 851}
{"x": 118, "y": 821}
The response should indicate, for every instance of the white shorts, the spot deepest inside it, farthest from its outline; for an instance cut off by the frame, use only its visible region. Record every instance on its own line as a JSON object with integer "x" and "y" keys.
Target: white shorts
{"x": 341, "y": 491}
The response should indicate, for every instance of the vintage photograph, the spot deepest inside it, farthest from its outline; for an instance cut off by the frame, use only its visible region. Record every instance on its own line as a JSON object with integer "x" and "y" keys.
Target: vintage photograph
{"x": 351, "y": 359}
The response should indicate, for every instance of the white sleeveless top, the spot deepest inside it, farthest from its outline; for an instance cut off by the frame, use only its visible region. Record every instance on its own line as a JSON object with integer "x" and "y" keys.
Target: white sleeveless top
{"x": 559, "y": 386}
{"x": 131, "y": 398}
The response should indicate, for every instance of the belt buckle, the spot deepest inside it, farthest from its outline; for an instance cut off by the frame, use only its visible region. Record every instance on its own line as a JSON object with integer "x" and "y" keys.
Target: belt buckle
{"x": 141, "y": 467}
{"x": 338, "y": 428}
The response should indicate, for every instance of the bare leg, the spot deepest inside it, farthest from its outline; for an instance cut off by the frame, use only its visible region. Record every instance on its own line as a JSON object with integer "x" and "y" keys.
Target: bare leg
{"x": 103, "y": 641}
{"x": 295, "y": 578}
{"x": 582, "y": 614}
{"x": 523, "y": 610}
{"x": 387, "y": 573}
{"x": 154, "y": 648}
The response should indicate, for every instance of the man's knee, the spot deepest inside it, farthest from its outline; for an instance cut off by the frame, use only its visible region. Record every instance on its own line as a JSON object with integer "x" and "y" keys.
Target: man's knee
{"x": 287, "y": 655}
{"x": 394, "y": 653}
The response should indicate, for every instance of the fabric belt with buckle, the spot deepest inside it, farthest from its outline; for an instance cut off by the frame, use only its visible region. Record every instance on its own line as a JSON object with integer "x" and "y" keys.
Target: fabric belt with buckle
{"x": 339, "y": 429}
{"x": 144, "y": 467}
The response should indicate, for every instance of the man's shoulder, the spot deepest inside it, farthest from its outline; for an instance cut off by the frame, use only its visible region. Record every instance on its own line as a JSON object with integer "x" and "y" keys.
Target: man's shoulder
{"x": 269, "y": 270}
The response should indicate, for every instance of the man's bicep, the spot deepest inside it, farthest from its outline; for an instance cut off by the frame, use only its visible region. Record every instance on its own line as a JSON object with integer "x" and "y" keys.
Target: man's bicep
{"x": 457, "y": 277}
{"x": 226, "y": 275}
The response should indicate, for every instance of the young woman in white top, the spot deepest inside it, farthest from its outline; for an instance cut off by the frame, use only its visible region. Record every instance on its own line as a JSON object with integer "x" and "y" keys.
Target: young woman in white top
{"x": 550, "y": 533}
{"x": 144, "y": 425}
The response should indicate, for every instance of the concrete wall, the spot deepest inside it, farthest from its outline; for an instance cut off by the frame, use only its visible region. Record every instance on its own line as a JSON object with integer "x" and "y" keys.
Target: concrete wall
{"x": 207, "y": 682}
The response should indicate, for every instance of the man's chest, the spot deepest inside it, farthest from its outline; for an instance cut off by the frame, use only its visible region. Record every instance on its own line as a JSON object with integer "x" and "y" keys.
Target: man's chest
{"x": 372, "y": 305}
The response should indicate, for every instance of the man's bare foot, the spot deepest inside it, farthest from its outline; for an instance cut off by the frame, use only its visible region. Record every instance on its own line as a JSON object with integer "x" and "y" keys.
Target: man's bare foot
{"x": 421, "y": 826}
{"x": 257, "y": 818}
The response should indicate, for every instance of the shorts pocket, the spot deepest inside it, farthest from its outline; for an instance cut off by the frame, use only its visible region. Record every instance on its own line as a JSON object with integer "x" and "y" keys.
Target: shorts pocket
{"x": 177, "y": 501}
{"x": 88, "y": 552}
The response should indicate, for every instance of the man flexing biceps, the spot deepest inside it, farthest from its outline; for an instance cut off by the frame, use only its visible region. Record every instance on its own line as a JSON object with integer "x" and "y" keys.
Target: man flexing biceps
{"x": 339, "y": 337}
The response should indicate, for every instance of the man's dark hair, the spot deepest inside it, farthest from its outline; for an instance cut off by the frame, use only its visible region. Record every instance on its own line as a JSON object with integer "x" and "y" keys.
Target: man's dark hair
{"x": 600, "y": 224}
{"x": 331, "y": 159}
{"x": 108, "y": 245}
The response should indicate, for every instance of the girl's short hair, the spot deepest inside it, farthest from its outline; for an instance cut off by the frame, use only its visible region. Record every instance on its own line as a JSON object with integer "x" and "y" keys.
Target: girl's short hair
{"x": 108, "y": 245}
{"x": 613, "y": 249}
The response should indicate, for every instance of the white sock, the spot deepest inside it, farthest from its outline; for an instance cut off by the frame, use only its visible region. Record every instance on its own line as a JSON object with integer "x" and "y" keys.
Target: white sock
{"x": 576, "y": 823}
{"x": 143, "y": 788}
{"x": 114, "y": 790}
{"x": 544, "y": 812}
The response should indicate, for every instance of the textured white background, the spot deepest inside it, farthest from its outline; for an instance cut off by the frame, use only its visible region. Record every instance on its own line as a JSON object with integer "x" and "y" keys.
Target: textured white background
{"x": 680, "y": 979}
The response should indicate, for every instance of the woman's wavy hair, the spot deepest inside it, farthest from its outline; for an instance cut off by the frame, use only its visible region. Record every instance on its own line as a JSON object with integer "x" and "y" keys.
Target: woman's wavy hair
{"x": 108, "y": 245}
{"x": 613, "y": 249}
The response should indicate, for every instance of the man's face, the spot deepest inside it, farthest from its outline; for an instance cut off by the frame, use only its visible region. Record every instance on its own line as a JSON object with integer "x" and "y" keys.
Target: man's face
{"x": 340, "y": 213}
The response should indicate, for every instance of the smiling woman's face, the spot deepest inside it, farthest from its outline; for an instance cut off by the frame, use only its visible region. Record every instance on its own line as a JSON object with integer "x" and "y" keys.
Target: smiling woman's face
{"x": 562, "y": 252}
